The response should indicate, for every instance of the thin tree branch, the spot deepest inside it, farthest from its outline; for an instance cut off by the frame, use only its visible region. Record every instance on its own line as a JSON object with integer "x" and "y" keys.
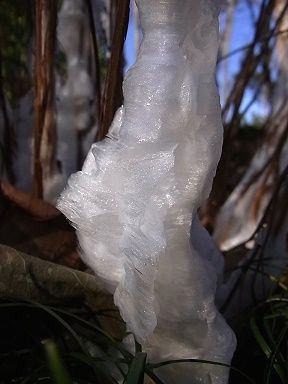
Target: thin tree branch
{"x": 249, "y": 63}
{"x": 247, "y": 46}
{"x": 8, "y": 136}
{"x": 234, "y": 101}
{"x": 111, "y": 93}
{"x": 45, "y": 128}
{"x": 96, "y": 58}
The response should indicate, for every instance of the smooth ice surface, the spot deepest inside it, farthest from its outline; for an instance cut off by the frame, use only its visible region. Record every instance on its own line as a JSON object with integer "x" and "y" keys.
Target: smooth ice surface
{"x": 134, "y": 204}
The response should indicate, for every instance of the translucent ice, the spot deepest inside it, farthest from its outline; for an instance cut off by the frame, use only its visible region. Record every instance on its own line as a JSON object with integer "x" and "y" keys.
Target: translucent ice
{"x": 134, "y": 204}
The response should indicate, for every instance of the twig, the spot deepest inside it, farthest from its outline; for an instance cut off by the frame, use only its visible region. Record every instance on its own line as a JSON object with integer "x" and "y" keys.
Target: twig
{"x": 111, "y": 93}
{"x": 8, "y": 136}
{"x": 44, "y": 129}
{"x": 247, "y": 46}
{"x": 96, "y": 58}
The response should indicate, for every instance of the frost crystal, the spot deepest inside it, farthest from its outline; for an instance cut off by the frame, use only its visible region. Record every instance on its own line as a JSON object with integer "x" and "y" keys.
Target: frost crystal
{"x": 134, "y": 204}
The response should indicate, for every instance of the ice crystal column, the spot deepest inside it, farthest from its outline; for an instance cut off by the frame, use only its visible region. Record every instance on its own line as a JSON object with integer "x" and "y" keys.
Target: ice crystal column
{"x": 134, "y": 204}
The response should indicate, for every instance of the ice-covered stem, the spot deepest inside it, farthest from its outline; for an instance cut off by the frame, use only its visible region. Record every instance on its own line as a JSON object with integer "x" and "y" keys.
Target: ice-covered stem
{"x": 135, "y": 202}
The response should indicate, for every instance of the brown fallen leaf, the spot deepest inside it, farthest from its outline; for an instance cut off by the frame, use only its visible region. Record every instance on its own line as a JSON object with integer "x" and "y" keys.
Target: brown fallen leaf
{"x": 25, "y": 277}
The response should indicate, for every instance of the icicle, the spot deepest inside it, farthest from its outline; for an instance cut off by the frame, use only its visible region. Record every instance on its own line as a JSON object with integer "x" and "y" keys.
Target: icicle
{"x": 135, "y": 202}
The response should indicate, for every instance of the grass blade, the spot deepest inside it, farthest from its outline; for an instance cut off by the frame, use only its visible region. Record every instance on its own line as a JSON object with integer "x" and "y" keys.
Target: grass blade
{"x": 264, "y": 345}
{"x": 57, "y": 369}
{"x": 273, "y": 360}
{"x": 200, "y": 361}
{"x": 137, "y": 368}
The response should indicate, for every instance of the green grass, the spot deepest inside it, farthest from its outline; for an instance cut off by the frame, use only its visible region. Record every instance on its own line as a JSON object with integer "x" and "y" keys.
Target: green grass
{"x": 65, "y": 345}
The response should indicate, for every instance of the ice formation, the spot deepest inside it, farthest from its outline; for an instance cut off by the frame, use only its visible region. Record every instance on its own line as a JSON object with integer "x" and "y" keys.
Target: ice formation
{"x": 135, "y": 202}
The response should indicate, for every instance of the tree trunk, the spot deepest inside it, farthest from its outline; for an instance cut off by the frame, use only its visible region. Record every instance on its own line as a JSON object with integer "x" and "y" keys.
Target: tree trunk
{"x": 45, "y": 128}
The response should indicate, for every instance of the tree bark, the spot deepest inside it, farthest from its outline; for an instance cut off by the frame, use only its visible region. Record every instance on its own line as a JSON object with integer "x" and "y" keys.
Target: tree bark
{"x": 45, "y": 128}
{"x": 113, "y": 96}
